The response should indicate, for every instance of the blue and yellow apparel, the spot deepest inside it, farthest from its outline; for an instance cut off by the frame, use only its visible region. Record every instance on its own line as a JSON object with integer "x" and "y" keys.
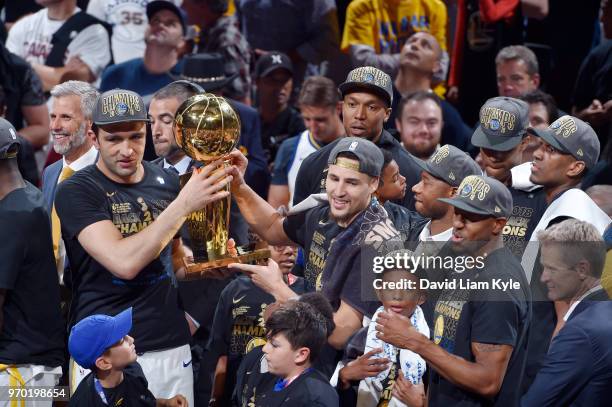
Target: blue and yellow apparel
{"x": 257, "y": 388}
{"x": 131, "y": 392}
{"x": 238, "y": 325}
{"x": 89, "y": 197}
{"x": 386, "y": 24}
{"x": 463, "y": 316}
{"x": 32, "y": 332}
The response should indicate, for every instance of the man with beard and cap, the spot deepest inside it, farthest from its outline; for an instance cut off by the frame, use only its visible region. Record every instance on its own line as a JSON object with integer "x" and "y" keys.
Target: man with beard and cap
{"x": 479, "y": 346}
{"x": 367, "y": 96}
{"x": 568, "y": 149}
{"x": 502, "y": 138}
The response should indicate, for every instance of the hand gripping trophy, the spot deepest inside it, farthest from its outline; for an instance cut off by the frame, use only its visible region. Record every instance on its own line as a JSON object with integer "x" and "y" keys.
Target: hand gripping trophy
{"x": 207, "y": 128}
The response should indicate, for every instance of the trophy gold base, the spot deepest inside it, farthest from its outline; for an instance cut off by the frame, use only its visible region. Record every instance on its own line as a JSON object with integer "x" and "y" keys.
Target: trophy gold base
{"x": 215, "y": 268}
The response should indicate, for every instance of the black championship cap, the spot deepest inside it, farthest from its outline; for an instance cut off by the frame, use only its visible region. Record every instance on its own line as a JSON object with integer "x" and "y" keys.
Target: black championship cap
{"x": 157, "y": 5}
{"x": 368, "y": 79}
{"x": 369, "y": 156}
{"x": 503, "y": 122}
{"x": 450, "y": 164}
{"x": 119, "y": 106}
{"x": 571, "y": 135}
{"x": 207, "y": 70}
{"x": 9, "y": 145}
{"x": 270, "y": 62}
{"x": 483, "y": 196}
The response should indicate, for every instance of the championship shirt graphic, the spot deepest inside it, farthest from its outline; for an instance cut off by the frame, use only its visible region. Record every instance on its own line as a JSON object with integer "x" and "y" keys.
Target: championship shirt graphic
{"x": 446, "y": 317}
{"x": 248, "y": 329}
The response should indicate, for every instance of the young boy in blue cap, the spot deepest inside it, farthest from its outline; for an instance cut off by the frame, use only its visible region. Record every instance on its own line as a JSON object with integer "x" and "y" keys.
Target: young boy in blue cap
{"x": 101, "y": 343}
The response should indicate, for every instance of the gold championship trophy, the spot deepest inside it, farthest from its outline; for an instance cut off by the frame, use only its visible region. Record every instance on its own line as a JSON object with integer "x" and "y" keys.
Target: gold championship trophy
{"x": 208, "y": 128}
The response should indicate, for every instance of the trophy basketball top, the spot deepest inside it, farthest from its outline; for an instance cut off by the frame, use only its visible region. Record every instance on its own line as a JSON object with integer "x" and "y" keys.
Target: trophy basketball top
{"x": 207, "y": 127}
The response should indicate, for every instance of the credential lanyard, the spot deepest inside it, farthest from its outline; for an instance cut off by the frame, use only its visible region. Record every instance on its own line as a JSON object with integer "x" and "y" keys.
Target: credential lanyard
{"x": 100, "y": 391}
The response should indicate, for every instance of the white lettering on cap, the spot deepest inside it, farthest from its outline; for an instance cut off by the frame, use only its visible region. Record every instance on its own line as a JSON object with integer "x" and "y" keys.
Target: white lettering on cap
{"x": 276, "y": 59}
{"x": 353, "y": 146}
{"x": 13, "y": 135}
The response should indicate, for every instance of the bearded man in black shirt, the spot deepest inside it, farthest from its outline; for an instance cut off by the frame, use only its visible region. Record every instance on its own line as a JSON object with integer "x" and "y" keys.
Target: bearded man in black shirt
{"x": 119, "y": 219}
{"x": 479, "y": 347}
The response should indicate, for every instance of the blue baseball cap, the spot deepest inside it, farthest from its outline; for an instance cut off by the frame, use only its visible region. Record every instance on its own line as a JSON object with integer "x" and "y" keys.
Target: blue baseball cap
{"x": 91, "y": 336}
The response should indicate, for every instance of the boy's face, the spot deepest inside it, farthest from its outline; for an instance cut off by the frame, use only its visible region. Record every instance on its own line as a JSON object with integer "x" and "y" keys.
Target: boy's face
{"x": 281, "y": 357}
{"x": 393, "y": 185}
{"x": 122, "y": 353}
{"x": 402, "y": 301}
{"x": 285, "y": 257}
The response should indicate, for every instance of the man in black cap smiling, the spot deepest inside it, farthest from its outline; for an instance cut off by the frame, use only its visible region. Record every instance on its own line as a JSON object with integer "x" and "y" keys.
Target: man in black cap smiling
{"x": 366, "y": 105}
{"x": 119, "y": 219}
{"x": 279, "y": 121}
{"x": 31, "y": 329}
{"x": 479, "y": 331}
{"x": 340, "y": 215}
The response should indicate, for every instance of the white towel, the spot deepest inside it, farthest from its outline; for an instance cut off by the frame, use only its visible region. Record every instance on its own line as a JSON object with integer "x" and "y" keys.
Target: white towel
{"x": 520, "y": 177}
{"x": 573, "y": 203}
{"x": 413, "y": 366}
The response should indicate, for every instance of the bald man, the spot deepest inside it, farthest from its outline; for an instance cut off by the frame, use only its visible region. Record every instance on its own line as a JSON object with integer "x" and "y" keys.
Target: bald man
{"x": 420, "y": 60}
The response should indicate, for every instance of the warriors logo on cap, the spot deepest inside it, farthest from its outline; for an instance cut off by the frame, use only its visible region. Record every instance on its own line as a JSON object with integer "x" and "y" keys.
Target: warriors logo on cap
{"x": 440, "y": 155}
{"x": 564, "y": 126}
{"x": 121, "y": 109}
{"x": 369, "y": 74}
{"x": 496, "y": 119}
{"x": 474, "y": 187}
{"x": 120, "y": 104}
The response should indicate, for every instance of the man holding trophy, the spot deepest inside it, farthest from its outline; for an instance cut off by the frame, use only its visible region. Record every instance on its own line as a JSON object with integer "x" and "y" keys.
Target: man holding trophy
{"x": 119, "y": 221}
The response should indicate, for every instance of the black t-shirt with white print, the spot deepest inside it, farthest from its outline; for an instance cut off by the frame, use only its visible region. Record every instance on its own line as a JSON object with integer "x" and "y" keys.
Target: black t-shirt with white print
{"x": 238, "y": 325}
{"x": 495, "y": 317}
{"x": 527, "y": 210}
{"x": 89, "y": 197}
{"x": 314, "y": 230}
